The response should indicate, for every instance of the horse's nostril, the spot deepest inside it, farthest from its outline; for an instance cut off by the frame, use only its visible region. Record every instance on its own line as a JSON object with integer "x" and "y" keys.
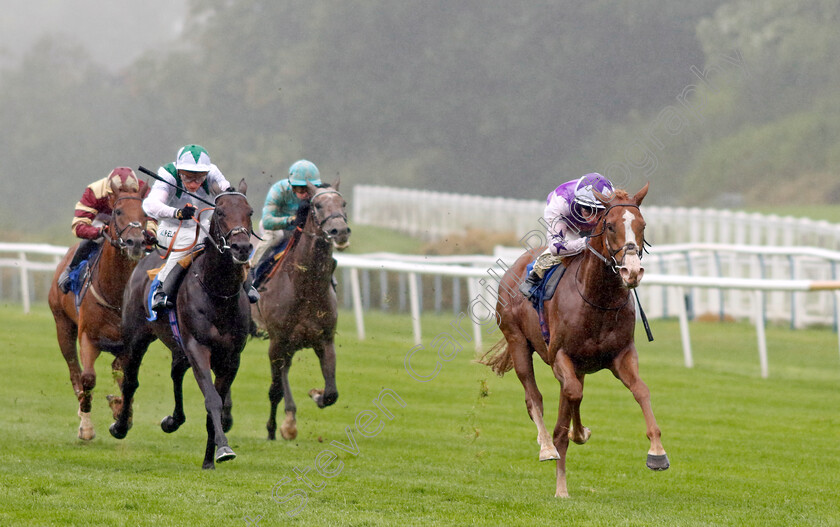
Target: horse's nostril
{"x": 333, "y": 232}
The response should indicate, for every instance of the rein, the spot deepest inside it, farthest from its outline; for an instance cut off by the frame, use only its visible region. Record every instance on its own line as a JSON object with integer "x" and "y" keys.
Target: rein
{"x": 596, "y": 306}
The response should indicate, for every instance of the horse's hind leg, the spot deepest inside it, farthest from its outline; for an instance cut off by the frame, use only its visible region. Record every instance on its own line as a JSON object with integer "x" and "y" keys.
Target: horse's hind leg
{"x": 180, "y": 365}
{"x": 326, "y": 356}
{"x": 67, "y": 333}
{"x": 280, "y": 360}
{"x": 626, "y": 369}
{"x": 523, "y": 364}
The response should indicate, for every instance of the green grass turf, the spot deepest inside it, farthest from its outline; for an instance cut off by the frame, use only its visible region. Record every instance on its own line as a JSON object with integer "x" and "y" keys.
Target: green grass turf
{"x": 462, "y": 451}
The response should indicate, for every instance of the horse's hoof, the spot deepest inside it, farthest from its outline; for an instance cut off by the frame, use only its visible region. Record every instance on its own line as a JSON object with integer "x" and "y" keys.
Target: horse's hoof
{"x": 116, "y": 431}
{"x": 288, "y": 432}
{"x": 658, "y": 462}
{"x": 86, "y": 435}
{"x": 224, "y": 453}
{"x": 169, "y": 424}
{"x": 547, "y": 454}
{"x": 227, "y": 423}
{"x": 208, "y": 465}
{"x": 317, "y": 396}
{"x": 580, "y": 438}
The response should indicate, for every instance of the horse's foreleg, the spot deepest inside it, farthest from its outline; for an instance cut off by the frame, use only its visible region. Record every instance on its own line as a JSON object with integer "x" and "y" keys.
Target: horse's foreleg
{"x": 523, "y": 364}
{"x": 135, "y": 349}
{"x": 117, "y": 372}
{"x": 326, "y": 356}
{"x": 89, "y": 353}
{"x": 180, "y": 365}
{"x": 213, "y": 405}
{"x": 626, "y": 369}
{"x": 571, "y": 394}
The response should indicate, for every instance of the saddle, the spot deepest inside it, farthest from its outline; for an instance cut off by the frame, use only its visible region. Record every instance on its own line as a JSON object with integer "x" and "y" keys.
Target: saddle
{"x": 545, "y": 291}
{"x": 270, "y": 261}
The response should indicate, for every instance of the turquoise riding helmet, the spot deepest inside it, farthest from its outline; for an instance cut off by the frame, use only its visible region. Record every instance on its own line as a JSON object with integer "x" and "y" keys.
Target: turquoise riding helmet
{"x": 304, "y": 171}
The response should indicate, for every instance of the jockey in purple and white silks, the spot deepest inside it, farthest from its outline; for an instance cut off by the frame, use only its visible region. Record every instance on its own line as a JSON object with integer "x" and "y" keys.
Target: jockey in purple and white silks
{"x": 571, "y": 212}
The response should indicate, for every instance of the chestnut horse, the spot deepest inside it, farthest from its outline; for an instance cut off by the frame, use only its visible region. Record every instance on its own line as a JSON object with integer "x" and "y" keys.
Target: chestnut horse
{"x": 213, "y": 319}
{"x": 298, "y": 304}
{"x": 96, "y": 323}
{"x": 591, "y": 320}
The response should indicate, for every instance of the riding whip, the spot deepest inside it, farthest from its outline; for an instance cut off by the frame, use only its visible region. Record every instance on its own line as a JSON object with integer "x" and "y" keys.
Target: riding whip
{"x": 185, "y": 191}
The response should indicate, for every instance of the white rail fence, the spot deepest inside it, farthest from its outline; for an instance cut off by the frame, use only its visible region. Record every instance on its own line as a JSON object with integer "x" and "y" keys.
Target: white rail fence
{"x": 431, "y": 215}
{"x": 481, "y": 274}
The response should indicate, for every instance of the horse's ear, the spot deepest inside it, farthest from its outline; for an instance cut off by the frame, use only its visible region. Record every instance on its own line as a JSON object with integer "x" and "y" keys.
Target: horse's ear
{"x": 640, "y": 195}
{"x": 605, "y": 199}
{"x": 312, "y": 188}
{"x": 243, "y": 187}
{"x": 145, "y": 189}
{"x": 337, "y": 182}
{"x": 215, "y": 188}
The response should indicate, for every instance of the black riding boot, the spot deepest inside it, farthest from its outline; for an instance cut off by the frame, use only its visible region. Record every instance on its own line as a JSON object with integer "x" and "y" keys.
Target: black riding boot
{"x": 84, "y": 250}
{"x": 529, "y": 284}
{"x": 250, "y": 290}
{"x": 167, "y": 291}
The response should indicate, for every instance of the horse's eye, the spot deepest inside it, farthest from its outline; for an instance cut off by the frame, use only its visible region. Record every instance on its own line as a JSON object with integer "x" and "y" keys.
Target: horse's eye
{"x": 610, "y": 227}
{"x": 118, "y": 212}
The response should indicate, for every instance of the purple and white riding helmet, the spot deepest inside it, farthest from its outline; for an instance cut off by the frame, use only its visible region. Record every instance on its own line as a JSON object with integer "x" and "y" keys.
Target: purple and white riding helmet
{"x": 586, "y": 188}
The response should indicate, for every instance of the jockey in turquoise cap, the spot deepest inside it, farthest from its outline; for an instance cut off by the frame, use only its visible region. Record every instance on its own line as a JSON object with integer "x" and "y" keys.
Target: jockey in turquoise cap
{"x": 281, "y": 206}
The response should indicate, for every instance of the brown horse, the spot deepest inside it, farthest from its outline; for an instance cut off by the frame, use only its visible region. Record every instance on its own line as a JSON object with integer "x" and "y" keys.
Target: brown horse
{"x": 298, "y": 304}
{"x": 591, "y": 321}
{"x": 212, "y": 314}
{"x": 96, "y": 324}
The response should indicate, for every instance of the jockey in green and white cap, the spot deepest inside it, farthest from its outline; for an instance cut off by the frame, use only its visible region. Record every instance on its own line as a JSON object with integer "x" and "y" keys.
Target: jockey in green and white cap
{"x": 177, "y": 212}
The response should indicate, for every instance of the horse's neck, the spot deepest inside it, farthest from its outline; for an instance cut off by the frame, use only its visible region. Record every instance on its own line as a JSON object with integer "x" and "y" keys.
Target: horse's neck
{"x": 218, "y": 270}
{"x": 314, "y": 254}
{"x": 598, "y": 280}
{"x": 112, "y": 273}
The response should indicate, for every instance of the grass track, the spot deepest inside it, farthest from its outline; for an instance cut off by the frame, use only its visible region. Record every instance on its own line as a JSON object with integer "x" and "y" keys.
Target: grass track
{"x": 744, "y": 450}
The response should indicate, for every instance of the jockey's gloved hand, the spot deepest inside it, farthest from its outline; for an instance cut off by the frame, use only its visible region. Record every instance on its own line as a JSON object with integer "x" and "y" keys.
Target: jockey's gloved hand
{"x": 185, "y": 213}
{"x": 302, "y": 213}
{"x": 149, "y": 238}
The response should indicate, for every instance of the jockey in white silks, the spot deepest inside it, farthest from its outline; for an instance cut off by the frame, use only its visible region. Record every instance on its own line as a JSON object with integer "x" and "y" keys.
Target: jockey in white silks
{"x": 571, "y": 212}
{"x": 176, "y": 213}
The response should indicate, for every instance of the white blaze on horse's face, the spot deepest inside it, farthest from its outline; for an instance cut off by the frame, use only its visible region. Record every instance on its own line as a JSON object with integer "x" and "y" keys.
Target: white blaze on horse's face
{"x": 631, "y": 270}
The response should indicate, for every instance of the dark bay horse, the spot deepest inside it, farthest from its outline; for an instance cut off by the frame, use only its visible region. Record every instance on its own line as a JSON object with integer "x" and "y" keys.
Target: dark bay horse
{"x": 591, "y": 319}
{"x": 96, "y": 324}
{"x": 213, "y": 318}
{"x": 298, "y": 306}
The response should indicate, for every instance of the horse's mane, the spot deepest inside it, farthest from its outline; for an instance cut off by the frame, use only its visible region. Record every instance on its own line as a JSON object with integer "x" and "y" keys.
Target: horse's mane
{"x": 621, "y": 194}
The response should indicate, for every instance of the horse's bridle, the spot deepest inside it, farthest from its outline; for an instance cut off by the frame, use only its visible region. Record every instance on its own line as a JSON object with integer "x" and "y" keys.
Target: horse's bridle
{"x": 223, "y": 244}
{"x": 615, "y": 265}
{"x": 117, "y": 240}
{"x": 321, "y": 221}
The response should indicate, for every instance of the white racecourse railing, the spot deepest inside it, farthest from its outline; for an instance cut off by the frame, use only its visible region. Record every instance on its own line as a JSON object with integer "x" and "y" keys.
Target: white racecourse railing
{"x": 431, "y": 215}
{"x": 657, "y": 292}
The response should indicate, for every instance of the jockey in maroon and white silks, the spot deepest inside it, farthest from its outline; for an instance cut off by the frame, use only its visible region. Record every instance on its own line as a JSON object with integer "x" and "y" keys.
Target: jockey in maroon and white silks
{"x": 87, "y": 223}
{"x": 571, "y": 212}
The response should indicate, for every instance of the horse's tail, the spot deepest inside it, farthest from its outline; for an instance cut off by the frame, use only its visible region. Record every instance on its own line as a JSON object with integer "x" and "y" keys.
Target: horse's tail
{"x": 498, "y": 358}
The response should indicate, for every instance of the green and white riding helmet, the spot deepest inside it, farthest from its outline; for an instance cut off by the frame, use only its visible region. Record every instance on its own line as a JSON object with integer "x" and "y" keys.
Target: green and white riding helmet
{"x": 304, "y": 171}
{"x": 193, "y": 158}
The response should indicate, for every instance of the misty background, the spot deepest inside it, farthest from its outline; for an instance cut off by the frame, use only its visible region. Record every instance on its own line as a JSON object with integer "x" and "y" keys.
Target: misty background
{"x": 716, "y": 103}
